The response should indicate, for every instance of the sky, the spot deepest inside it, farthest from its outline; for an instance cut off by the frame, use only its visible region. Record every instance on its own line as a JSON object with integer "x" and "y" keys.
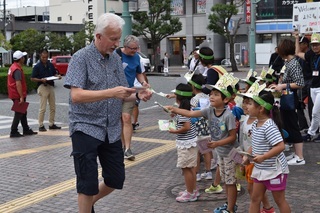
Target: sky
{"x": 23, "y": 3}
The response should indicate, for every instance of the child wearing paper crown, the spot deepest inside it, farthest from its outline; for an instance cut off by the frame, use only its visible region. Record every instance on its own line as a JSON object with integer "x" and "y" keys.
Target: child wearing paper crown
{"x": 186, "y": 144}
{"x": 198, "y": 102}
{"x": 223, "y": 135}
{"x": 270, "y": 170}
{"x": 245, "y": 139}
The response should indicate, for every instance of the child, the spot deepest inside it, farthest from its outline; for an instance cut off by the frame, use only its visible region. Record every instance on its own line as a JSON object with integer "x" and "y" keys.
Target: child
{"x": 186, "y": 144}
{"x": 223, "y": 135}
{"x": 245, "y": 145}
{"x": 270, "y": 166}
{"x": 200, "y": 101}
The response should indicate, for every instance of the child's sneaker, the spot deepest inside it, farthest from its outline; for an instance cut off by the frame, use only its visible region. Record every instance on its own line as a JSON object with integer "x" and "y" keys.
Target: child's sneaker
{"x": 223, "y": 209}
{"x": 271, "y": 210}
{"x": 196, "y": 192}
{"x": 207, "y": 175}
{"x": 186, "y": 197}
{"x": 214, "y": 189}
{"x": 198, "y": 177}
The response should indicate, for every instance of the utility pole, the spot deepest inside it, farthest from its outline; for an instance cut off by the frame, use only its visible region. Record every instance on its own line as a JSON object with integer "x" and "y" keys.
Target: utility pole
{"x": 127, "y": 28}
{"x": 4, "y": 20}
{"x": 252, "y": 38}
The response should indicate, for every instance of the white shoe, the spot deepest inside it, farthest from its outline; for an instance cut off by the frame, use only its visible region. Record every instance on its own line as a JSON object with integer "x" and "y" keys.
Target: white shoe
{"x": 291, "y": 156}
{"x": 296, "y": 161}
{"x": 198, "y": 177}
{"x": 209, "y": 176}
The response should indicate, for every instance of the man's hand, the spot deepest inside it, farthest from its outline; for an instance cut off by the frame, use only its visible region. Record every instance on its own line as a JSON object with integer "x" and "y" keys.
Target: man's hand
{"x": 122, "y": 92}
{"x": 145, "y": 94}
{"x": 212, "y": 144}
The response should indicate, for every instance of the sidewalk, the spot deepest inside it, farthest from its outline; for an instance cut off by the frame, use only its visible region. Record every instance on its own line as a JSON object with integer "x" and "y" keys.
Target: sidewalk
{"x": 37, "y": 175}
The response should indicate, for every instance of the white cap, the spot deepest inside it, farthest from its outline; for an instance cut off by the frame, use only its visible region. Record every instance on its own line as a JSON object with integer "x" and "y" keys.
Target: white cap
{"x": 18, "y": 54}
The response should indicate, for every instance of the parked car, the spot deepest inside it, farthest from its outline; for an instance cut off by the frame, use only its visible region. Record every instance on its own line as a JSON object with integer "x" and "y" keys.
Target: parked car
{"x": 61, "y": 63}
{"x": 145, "y": 61}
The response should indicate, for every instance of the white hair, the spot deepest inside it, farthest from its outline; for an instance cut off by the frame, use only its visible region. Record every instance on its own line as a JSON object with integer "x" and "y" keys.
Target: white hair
{"x": 108, "y": 20}
{"x": 130, "y": 39}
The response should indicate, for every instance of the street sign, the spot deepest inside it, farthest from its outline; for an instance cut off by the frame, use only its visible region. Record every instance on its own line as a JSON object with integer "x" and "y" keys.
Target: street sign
{"x": 306, "y": 17}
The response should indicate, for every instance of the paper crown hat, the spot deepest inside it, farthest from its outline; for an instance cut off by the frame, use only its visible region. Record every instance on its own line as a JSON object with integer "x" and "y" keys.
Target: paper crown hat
{"x": 266, "y": 75}
{"x": 251, "y": 77}
{"x": 253, "y": 92}
{"x": 223, "y": 83}
{"x": 315, "y": 38}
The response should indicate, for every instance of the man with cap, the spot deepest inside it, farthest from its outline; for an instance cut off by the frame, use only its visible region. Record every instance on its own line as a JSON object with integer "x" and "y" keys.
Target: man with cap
{"x": 313, "y": 57}
{"x": 17, "y": 90}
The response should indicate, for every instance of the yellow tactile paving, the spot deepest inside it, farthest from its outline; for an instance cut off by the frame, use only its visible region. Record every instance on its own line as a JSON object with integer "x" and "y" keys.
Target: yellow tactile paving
{"x": 33, "y": 150}
{"x": 49, "y": 192}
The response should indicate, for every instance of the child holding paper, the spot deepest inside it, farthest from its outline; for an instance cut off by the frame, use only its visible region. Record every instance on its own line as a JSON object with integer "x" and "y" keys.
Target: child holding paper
{"x": 223, "y": 134}
{"x": 270, "y": 165}
{"x": 186, "y": 144}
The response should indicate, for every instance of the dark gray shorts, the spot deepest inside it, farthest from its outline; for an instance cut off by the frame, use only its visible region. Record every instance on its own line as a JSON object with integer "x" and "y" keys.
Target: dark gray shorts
{"x": 86, "y": 149}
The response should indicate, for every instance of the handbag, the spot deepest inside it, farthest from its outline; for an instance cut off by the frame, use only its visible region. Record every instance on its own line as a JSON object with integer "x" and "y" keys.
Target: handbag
{"x": 287, "y": 99}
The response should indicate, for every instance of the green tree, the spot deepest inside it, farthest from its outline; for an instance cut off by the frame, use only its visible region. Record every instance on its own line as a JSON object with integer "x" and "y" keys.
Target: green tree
{"x": 4, "y": 43}
{"x": 219, "y": 21}
{"x": 29, "y": 41}
{"x": 156, "y": 25}
{"x": 78, "y": 40}
{"x": 59, "y": 42}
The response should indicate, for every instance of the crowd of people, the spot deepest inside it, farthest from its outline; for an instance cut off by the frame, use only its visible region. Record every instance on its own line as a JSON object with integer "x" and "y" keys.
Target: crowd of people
{"x": 103, "y": 97}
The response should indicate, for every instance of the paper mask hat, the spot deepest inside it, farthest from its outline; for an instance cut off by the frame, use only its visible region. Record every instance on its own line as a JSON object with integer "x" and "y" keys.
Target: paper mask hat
{"x": 223, "y": 83}
{"x": 253, "y": 92}
{"x": 266, "y": 75}
{"x": 251, "y": 77}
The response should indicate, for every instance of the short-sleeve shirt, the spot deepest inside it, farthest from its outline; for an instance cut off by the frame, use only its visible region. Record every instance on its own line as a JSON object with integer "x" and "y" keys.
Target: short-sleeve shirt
{"x": 263, "y": 139}
{"x": 220, "y": 127}
{"x": 131, "y": 66}
{"x": 187, "y": 139}
{"x": 89, "y": 70}
{"x": 314, "y": 61}
{"x": 293, "y": 73}
{"x": 41, "y": 71}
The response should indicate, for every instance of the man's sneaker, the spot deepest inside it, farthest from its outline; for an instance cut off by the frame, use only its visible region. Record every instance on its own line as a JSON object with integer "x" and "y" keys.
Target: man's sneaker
{"x": 15, "y": 135}
{"x": 271, "y": 210}
{"x": 224, "y": 207}
{"x": 196, "y": 192}
{"x": 198, "y": 177}
{"x": 296, "y": 161}
{"x": 42, "y": 129}
{"x": 291, "y": 156}
{"x": 135, "y": 126}
{"x": 186, "y": 197}
{"x": 238, "y": 185}
{"x": 29, "y": 132}
{"x": 54, "y": 127}
{"x": 214, "y": 189}
{"x": 207, "y": 175}
{"x": 128, "y": 155}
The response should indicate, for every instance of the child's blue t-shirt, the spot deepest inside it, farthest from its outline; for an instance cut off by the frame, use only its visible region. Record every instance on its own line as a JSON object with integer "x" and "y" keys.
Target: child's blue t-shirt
{"x": 220, "y": 127}
{"x": 131, "y": 65}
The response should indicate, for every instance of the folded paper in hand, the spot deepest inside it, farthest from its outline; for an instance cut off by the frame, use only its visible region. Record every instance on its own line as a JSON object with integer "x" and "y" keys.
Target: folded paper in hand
{"x": 236, "y": 156}
{"x": 203, "y": 144}
{"x": 164, "y": 125}
{"x": 22, "y": 108}
{"x": 51, "y": 78}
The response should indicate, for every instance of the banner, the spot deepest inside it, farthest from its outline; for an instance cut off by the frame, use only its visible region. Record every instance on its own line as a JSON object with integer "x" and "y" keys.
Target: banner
{"x": 306, "y": 17}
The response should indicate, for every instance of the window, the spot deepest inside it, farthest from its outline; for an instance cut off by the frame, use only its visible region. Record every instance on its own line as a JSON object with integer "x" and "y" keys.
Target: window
{"x": 70, "y": 17}
{"x": 200, "y": 6}
{"x": 177, "y": 7}
{"x": 59, "y": 18}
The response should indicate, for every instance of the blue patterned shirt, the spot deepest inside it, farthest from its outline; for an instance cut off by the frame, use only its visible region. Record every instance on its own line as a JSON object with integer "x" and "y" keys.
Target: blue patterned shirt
{"x": 89, "y": 70}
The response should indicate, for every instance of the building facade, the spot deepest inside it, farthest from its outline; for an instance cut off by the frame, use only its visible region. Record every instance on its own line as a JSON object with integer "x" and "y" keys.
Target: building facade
{"x": 273, "y": 22}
